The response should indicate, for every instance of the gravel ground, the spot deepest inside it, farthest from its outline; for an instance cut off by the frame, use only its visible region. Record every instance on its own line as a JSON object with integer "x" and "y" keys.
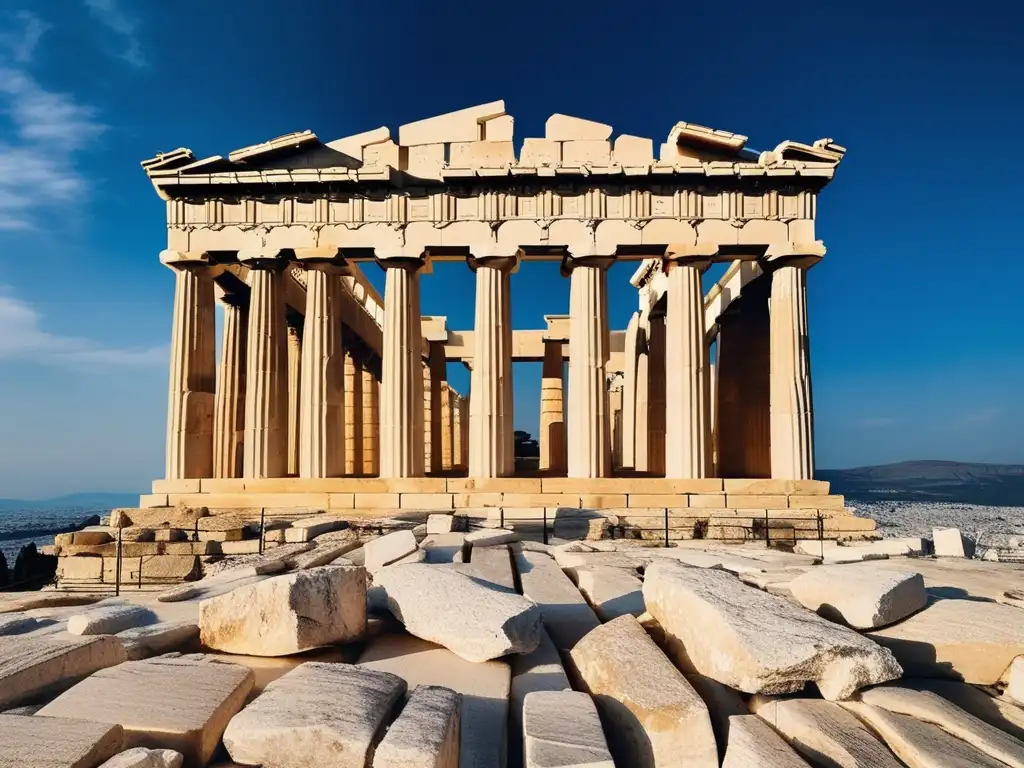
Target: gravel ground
{"x": 989, "y": 526}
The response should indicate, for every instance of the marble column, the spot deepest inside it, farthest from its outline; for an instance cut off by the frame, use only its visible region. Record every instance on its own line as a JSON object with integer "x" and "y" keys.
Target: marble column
{"x": 229, "y": 403}
{"x": 428, "y": 419}
{"x": 656, "y": 393}
{"x": 401, "y": 390}
{"x": 353, "y": 414}
{"x": 371, "y": 423}
{"x": 631, "y": 355}
{"x": 438, "y": 395}
{"x": 792, "y": 425}
{"x": 589, "y": 430}
{"x": 552, "y": 413}
{"x": 193, "y": 367}
{"x": 447, "y": 424}
{"x": 322, "y": 404}
{"x": 491, "y": 438}
{"x": 641, "y": 410}
{"x": 294, "y": 390}
{"x": 266, "y": 401}
{"x": 459, "y": 437}
{"x": 686, "y": 366}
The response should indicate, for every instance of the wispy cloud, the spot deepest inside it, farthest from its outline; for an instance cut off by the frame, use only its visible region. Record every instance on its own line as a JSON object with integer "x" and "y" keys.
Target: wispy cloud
{"x": 117, "y": 21}
{"x": 23, "y": 338}
{"x": 22, "y": 43}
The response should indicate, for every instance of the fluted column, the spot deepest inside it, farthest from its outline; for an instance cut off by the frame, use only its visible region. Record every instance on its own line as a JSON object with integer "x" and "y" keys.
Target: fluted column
{"x": 686, "y": 367}
{"x": 446, "y": 422}
{"x": 459, "y": 433}
{"x": 552, "y": 414}
{"x": 229, "y": 403}
{"x": 656, "y": 393}
{"x": 641, "y": 410}
{"x": 792, "y": 423}
{"x": 401, "y": 390}
{"x": 631, "y": 355}
{"x": 428, "y": 418}
{"x": 193, "y": 367}
{"x": 371, "y": 423}
{"x": 491, "y": 438}
{"x": 589, "y": 432}
{"x": 438, "y": 395}
{"x": 322, "y": 403}
{"x": 294, "y": 376}
{"x": 353, "y": 414}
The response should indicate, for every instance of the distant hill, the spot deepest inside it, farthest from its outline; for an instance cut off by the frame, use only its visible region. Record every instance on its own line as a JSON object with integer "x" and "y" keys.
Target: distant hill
{"x": 999, "y": 485}
{"x": 96, "y": 500}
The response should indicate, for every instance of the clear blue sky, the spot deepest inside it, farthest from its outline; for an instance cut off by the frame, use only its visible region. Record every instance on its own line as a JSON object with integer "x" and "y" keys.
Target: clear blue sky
{"x": 916, "y": 312}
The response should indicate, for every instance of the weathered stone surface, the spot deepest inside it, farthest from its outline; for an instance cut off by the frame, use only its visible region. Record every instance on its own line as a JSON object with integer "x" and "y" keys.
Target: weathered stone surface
{"x": 491, "y": 537}
{"x": 388, "y": 549}
{"x": 442, "y": 547}
{"x": 323, "y": 554}
{"x": 318, "y": 714}
{"x": 655, "y": 716}
{"x": 478, "y": 623}
{"x": 440, "y": 524}
{"x": 31, "y": 600}
{"x": 863, "y": 597}
{"x": 722, "y": 702}
{"x": 539, "y": 670}
{"x": 30, "y": 664}
{"x": 918, "y": 744}
{"x": 155, "y": 639}
{"x": 949, "y": 542}
{"x": 567, "y": 616}
{"x": 287, "y": 614}
{"x": 611, "y": 592}
{"x": 824, "y": 732}
{"x": 15, "y": 623}
{"x": 756, "y": 642}
{"x": 969, "y": 639}
{"x": 484, "y": 687}
{"x": 561, "y": 729}
{"x": 752, "y": 742}
{"x": 311, "y": 527}
{"x": 931, "y": 708}
{"x": 491, "y": 566}
{"x": 1014, "y": 681}
{"x": 994, "y": 711}
{"x": 211, "y": 586}
{"x": 140, "y": 757}
{"x": 165, "y": 703}
{"x": 80, "y": 569}
{"x": 46, "y": 742}
{"x": 109, "y": 619}
{"x": 426, "y": 733}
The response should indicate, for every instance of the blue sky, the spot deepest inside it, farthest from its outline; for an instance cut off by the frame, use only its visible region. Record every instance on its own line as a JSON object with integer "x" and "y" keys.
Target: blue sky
{"x": 916, "y": 315}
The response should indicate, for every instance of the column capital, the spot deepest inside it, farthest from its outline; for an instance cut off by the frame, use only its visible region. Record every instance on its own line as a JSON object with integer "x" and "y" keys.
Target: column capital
{"x": 698, "y": 256}
{"x": 265, "y": 258}
{"x": 487, "y": 258}
{"x": 185, "y": 259}
{"x": 327, "y": 259}
{"x": 584, "y": 255}
{"x": 800, "y": 255}
{"x": 409, "y": 262}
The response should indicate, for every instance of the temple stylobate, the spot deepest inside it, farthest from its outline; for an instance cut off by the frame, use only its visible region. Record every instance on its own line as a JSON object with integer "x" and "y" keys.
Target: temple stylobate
{"x": 327, "y": 394}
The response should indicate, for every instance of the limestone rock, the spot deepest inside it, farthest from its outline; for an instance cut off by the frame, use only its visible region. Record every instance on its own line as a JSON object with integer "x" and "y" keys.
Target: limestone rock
{"x": 567, "y": 616}
{"x": 387, "y": 549}
{"x": 611, "y": 592}
{"x": 973, "y": 640}
{"x": 440, "y": 524}
{"x": 211, "y": 586}
{"x": 318, "y": 714}
{"x": 992, "y": 710}
{"x": 756, "y": 642}
{"x": 918, "y": 744}
{"x": 287, "y": 614}
{"x": 949, "y": 542}
{"x": 30, "y": 600}
{"x": 48, "y": 742}
{"x": 752, "y": 742}
{"x": 311, "y": 527}
{"x": 437, "y": 604}
{"x": 824, "y": 732}
{"x": 15, "y": 623}
{"x": 442, "y": 547}
{"x": 931, "y": 708}
{"x": 863, "y": 597}
{"x": 722, "y": 701}
{"x": 1014, "y": 681}
{"x": 164, "y": 703}
{"x": 491, "y": 566}
{"x": 655, "y": 716}
{"x": 562, "y": 728}
{"x": 426, "y": 733}
{"x": 30, "y": 664}
{"x": 491, "y": 537}
{"x": 539, "y": 670}
{"x": 155, "y": 639}
{"x": 140, "y": 757}
{"x": 109, "y": 619}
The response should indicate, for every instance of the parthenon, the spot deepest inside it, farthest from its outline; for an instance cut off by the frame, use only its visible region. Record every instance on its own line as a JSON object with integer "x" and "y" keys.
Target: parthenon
{"x": 328, "y": 395}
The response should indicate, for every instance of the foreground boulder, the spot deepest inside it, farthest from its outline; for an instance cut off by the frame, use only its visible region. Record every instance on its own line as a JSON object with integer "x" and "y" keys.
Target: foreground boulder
{"x": 567, "y": 615}
{"x": 30, "y": 664}
{"x": 966, "y": 639}
{"x": 991, "y": 709}
{"x": 388, "y": 549}
{"x": 287, "y": 614}
{"x": 752, "y": 742}
{"x": 109, "y": 619}
{"x": 155, "y": 639}
{"x": 140, "y": 757}
{"x": 426, "y": 733}
{"x": 562, "y": 728}
{"x": 1015, "y": 682}
{"x": 50, "y": 742}
{"x": 318, "y": 714}
{"x": 756, "y": 642}
{"x": 436, "y": 603}
{"x": 655, "y": 716}
{"x": 863, "y": 597}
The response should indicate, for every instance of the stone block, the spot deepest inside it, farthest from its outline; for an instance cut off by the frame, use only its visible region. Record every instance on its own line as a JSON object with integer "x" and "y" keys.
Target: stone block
{"x": 710, "y": 501}
{"x": 567, "y": 128}
{"x": 754, "y": 501}
{"x": 51, "y": 742}
{"x": 156, "y": 639}
{"x": 491, "y": 537}
{"x": 426, "y": 501}
{"x": 109, "y": 619}
{"x": 776, "y": 487}
{"x": 633, "y": 150}
{"x": 539, "y": 670}
{"x": 653, "y": 485}
{"x": 752, "y": 742}
{"x": 426, "y": 733}
{"x": 317, "y": 714}
{"x": 235, "y": 535}
{"x": 425, "y": 161}
{"x": 539, "y": 153}
{"x": 562, "y": 728}
{"x": 153, "y": 500}
{"x": 376, "y": 501}
{"x": 491, "y": 566}
{"x": 169, "y": 534}
{"x": 287, "y": 614}
{"x": 475, "y": 485}
{"x": 249, "y": 547}
{"x": 461, "y": 125}
{"x": 567, "y": 616}
{"x": 140, "y": 757}
{"x": 949, "y": 542}
{"x": 186, "y": 485}
{"x": 587, "y": 152}
{"x": 311, "y": 527}
{"x": 653, "y": 716}
{"x": 160, "y": 568}
{"x": 80, "y": 568}
{"x": 90, "y": 538}
{"x": 540, "y": 500}
{"x": 995, "y": 711}
{"x": 658, "y": 500}
{"x": 863, "y": 597}
{"x": 388, "y": 549}
{"x": 440, "y": 524}
{"x": 481, "y": 154}
{"x": 31, "y": 664}
{"x": 470, "y": 500}
{"x": 341, "y": 500}
{"x": 442, "y": 547}
{"x": 195, "y": 701}
{"x": 818, "y": 501}
{"x": 603, "y": 500}
{"x": 611, "y": 592}
{"x": 1014, "y": 677}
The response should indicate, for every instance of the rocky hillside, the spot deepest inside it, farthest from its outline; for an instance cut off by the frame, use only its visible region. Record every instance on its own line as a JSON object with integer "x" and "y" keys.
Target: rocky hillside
{"x": 951, "y": 481}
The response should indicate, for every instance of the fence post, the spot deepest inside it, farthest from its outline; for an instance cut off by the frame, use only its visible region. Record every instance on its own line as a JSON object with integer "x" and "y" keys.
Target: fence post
{"x": 117, "y": 566}
{"x": 501, "y": 517}
{"x": 545, "y": 529}
{"x": 767, "y": 531}
{"x": 821, "y": 535}
{"x": 262, "y": 528}
{"x": 666, "y": 527}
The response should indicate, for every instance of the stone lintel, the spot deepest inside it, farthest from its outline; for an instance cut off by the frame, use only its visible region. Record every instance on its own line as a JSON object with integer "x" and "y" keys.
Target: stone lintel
{"x": 802, "y": 255}
{"x": 434, "y": 328}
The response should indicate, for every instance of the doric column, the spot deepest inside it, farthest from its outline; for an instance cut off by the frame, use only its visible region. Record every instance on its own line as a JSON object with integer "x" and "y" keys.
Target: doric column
{"x": 656, "y": 394}
{"x": 294, "y": 324}
{"x": 631, "y": 355}
{"x": 229, "y": 403}
{"x": 401, "y": 390}
{"x": 552, "y": 414}
{"x": 371, "y": 423}
{"x": 266, "y": 401}
{"x": 446, "y": 421}
{"x": 353, "y": 414}
{"x": 193, "y": 367}
{"x": 438, "y": 396}
{"x": 589, "y": 433}
{"x": 459, "y": 436}
{"x": 491, "y": 438}
{"x": 792, "y": 423}
{"x": 641, "y": 410}
{"x": 686, "y": 368}
{"x": 428, "y": 418}
{"x": 321, "y": 421}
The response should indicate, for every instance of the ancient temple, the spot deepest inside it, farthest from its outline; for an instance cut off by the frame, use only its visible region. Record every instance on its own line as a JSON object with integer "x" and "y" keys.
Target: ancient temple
{"x": 328, "y": 395}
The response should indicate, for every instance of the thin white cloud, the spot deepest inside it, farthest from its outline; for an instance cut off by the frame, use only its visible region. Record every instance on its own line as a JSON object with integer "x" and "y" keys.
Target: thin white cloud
{"x": 23, "y": 338}
{"x": 22, "y": 44}
{"x": 117, "y": 21}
